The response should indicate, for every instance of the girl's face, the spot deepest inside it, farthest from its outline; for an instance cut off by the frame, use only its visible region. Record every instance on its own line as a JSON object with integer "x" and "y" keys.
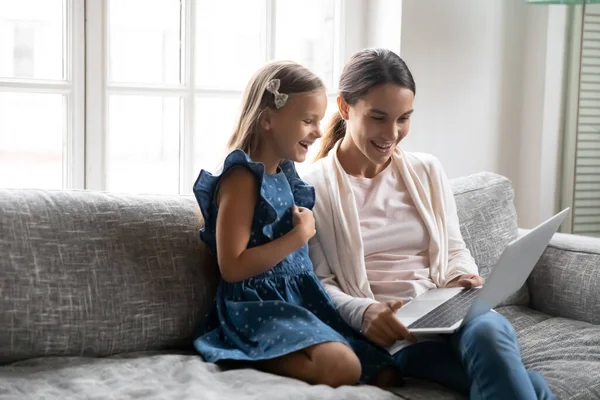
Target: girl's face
{"x": 292, "y": 129}
{"x": 378, "y": 122}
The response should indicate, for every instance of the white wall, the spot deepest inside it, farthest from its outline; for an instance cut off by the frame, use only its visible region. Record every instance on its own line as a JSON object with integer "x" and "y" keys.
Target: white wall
{"x": 384, "y": 22}
{"x": 488, "y": 77}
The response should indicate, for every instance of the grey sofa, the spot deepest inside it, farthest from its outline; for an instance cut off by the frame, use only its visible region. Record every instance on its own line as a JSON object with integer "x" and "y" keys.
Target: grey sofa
{"x": 100, "y": 295}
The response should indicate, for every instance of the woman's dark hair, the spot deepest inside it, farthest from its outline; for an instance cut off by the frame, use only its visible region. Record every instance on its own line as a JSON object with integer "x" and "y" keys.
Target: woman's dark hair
{"x": 364, "y": 71}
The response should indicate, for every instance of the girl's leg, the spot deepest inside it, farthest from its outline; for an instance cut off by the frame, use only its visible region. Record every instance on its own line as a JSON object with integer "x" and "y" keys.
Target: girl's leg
{"x": 489, "y": 351}
{"x": 331, "y": 363}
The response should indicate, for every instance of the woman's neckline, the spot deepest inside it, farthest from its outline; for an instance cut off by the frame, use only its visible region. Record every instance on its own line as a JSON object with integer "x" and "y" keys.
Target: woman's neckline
{"x": 363, "y": 178}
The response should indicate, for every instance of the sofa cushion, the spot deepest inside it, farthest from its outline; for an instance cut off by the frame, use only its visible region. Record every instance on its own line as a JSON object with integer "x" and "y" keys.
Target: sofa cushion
{"x": 566, "y": 352}
{"x": 159, "y": 376}
{"x": 566, "y": 280}
{"x": 521, "y": 318}
{"x": 89, "y": 273}
{"x": 488, "y": 221}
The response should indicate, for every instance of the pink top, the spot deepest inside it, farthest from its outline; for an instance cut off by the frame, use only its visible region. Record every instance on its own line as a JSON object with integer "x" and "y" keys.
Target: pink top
{"x": 395, "y": 238}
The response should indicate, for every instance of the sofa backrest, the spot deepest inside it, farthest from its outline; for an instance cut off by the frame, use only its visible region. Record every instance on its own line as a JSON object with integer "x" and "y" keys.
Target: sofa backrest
{"x": 95, "y": 274}
{"x": 89, "y": 273}
{"x": 488, "y": 221}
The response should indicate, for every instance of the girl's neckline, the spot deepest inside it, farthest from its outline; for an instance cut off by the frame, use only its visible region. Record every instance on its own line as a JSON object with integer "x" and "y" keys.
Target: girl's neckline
{"x": 279, "y": 168}
{"x": 279, "y": 172}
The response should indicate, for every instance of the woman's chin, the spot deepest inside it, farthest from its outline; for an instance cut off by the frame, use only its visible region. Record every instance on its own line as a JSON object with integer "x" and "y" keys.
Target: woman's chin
{"x": 378, "y": 158}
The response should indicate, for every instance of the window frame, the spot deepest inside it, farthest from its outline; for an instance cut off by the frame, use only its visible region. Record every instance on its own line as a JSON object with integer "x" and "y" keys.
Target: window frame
{"x": 347, "y": 13}
{"x": 72, "y": 87}
{"x": 86, "y": 87}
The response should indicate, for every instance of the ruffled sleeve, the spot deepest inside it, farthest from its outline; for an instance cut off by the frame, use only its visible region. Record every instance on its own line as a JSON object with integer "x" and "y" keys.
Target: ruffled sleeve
{"x": 304, "y": 194}
{"x": 206, "y": 187}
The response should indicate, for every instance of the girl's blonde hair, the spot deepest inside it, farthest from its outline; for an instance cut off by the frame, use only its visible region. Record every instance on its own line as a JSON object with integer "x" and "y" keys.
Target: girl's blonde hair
{"x": 294, "y": 79}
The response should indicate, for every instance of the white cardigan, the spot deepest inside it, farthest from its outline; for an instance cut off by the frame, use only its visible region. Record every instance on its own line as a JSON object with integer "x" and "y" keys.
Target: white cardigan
{"x": 337, "y": 249}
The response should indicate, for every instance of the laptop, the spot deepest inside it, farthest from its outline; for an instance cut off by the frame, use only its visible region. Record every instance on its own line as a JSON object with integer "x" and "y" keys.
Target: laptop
{"x": 445, "y": 310}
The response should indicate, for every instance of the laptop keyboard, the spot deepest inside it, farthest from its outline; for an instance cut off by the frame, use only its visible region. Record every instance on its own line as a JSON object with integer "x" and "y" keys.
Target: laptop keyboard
{"x": 447, "y": 313}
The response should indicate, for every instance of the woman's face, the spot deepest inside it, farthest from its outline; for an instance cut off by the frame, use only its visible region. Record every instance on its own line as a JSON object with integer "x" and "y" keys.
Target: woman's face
{"x": 378, "y": 121}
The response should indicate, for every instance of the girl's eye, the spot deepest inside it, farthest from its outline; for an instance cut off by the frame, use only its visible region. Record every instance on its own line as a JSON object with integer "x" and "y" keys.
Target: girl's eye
{"x": 378, "y": 118}
{"x": 308, "y": 121}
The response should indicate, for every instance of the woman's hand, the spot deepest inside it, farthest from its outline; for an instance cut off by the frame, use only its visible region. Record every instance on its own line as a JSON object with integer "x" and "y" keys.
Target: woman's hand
{"x": 381, "y": 326}
{"x": 467, "y": 281}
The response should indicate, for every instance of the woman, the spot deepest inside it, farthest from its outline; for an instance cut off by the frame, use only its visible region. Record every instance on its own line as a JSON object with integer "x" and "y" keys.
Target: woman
{"x": 388, "y": 230}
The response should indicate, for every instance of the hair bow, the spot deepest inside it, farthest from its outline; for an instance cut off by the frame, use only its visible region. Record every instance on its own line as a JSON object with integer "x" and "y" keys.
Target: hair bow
{"x": 280, "y": 98}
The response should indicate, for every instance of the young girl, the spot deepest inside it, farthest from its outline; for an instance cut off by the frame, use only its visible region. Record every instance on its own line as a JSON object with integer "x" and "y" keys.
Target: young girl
{"x": 270, "y": 307}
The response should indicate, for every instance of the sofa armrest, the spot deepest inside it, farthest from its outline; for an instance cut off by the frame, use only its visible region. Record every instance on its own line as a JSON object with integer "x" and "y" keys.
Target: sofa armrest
{"x": 566, "y": 279}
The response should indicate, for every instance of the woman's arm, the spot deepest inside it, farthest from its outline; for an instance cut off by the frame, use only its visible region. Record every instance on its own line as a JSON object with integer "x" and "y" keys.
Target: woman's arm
{"x": 350, "y": 308}
{"x": 375, "y": 320}
{"x": 460, "y": 261}
{"x": 236, "y": 199}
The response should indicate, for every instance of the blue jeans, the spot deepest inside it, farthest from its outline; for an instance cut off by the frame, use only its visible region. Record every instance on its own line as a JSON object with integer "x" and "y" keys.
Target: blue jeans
{"x": 481, "y": 360}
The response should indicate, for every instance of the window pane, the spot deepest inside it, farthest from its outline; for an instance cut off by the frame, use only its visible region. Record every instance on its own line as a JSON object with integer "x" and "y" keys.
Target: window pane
{"x": 143, "y": 144}
{"x": 215, "y": 119}
{"x": 145, "y": 44}
{"x": 31, "y": 38}
{"x": 31, "y": 140}
{"x": 230, "y": 42}
{"x": 306, "y": 35}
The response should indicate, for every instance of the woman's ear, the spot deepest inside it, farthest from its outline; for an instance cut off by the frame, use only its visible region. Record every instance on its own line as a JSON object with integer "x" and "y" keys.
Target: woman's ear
{"x": 343, "y": 107}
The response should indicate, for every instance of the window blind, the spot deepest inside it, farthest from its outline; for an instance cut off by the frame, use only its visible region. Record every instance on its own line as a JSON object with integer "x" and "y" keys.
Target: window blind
{"x": 586, "y": 201}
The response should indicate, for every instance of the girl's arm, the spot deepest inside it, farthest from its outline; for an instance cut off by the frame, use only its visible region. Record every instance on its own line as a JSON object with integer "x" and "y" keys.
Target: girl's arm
{"x": 236, "y": 199}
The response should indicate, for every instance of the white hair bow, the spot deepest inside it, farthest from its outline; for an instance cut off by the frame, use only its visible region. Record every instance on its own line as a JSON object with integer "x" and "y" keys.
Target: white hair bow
{"x": 280, "y": 98}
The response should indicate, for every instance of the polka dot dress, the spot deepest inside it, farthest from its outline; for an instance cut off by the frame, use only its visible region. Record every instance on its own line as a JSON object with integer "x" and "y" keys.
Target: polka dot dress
{"x": 285, "y": 309}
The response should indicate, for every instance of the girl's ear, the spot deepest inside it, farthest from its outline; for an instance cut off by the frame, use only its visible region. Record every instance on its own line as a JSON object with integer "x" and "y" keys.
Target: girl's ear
{"x": 265, "y": 119}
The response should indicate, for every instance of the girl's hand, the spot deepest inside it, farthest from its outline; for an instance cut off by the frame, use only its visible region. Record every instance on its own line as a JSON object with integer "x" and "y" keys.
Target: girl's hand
{"x": 467, "y": 281}
{"x": 304, "y": 223}
{"x": 381, "y": 326}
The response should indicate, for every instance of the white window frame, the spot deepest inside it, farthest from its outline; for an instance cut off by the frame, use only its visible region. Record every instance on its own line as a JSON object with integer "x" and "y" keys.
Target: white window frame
{"x": 349, "y": 13}
{"x": 571, "y": 113}
{"x": 73, "y": 88}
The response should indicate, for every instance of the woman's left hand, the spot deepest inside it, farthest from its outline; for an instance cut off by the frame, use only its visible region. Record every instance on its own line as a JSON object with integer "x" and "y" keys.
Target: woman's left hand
{"x": 467, "y": 281}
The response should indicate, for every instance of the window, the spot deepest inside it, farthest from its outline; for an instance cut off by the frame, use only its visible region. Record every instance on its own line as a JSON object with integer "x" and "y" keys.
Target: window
{"x": 97, "y": 94}
{"x": 175, "y": 74}
{"x": 40, "y": 93}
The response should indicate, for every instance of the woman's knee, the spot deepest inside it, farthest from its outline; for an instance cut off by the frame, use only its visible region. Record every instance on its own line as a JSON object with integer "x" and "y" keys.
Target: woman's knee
{"x": 335, "y": 364}
{"x": 488, "y": 330}
{"x": 489, "y": 324}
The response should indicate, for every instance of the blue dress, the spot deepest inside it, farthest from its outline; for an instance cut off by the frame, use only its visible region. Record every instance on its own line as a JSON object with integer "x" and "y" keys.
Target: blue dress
{"x": 284, "y": 309}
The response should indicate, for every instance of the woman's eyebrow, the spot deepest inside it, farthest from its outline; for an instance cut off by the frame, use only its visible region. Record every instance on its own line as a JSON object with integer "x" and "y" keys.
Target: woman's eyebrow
{"x": 377, "y": 111}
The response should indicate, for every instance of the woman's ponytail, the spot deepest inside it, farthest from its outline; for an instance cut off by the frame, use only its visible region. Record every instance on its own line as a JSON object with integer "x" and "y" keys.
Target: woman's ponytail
{"x": 335, "y": 131}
